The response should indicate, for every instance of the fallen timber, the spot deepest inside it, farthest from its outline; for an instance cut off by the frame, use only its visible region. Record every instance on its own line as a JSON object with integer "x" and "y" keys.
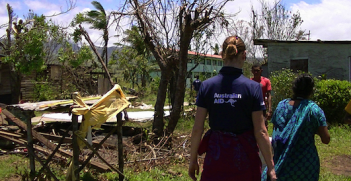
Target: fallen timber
{"x": 47, "y": 142}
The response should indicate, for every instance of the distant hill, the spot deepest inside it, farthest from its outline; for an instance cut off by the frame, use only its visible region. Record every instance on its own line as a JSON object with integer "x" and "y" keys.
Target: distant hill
{"x": 109, "y": 50}
{"x": 53, "y": 58}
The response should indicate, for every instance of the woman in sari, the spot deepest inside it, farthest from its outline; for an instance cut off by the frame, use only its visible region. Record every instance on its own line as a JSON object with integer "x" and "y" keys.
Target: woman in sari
{"x": 235, "y": 106}
{"x": 296, "y": 121}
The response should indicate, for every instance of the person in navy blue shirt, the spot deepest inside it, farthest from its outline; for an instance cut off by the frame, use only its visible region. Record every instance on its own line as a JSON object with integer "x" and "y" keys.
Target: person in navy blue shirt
{"x": 197, "y": 84}
{"x": 235, "y": 106}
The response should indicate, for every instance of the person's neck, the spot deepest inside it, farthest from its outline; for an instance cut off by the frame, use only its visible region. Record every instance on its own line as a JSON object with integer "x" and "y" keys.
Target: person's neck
{"x": 235, "y": 64}
{"x": 257, "y": 78}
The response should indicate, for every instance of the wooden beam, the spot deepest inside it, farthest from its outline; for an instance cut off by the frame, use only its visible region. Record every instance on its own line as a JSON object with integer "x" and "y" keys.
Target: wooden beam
{"x": 98, "y": 155}
{"x": 31, "y": 152}
{"x": 120, "y": 145}
{"x": 53, "y": 153}
{"x": 75, "y": 146}
{"x": 97, "y": 147}
{"x": 47, "y": 142}
{"x": 17, "y": 135}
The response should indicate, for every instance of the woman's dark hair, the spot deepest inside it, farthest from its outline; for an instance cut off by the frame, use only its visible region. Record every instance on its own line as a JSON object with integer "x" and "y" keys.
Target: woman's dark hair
{"x": 232, "y": 46}
{"x": 303, "y": 86}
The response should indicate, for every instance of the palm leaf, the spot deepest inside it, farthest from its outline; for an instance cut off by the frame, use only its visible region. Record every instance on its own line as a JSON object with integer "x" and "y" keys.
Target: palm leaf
{"x": 99, "y": 7}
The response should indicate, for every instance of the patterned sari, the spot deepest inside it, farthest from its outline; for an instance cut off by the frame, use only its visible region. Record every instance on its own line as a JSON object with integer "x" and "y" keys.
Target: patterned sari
{"x": 295, "y": 154}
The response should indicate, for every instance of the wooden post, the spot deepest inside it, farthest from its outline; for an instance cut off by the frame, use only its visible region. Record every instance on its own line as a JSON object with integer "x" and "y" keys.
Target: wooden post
{"x": 28, "y": 119}
{"x": 120, "y": 145}
{"x": 75, "y": 146}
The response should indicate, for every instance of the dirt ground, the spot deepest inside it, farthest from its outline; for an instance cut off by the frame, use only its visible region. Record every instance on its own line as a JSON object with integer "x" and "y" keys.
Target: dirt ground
{"x": 340, "y": 165}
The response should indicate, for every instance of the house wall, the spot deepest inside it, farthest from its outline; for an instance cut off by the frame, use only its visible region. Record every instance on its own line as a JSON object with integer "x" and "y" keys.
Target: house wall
{"x": 5, "y": 79}
{"x": 329, "y": 59}
{"x": 203, "y": 67}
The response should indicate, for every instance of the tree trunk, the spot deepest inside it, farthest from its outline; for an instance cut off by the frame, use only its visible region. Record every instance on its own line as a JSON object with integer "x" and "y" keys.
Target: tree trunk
{"x": 143, "y": 79}
{"x": 172, "y": 85}
{"x": 186, "y": 36}
{"x": 158, "y": 124}
{"x": 177, "y": 105}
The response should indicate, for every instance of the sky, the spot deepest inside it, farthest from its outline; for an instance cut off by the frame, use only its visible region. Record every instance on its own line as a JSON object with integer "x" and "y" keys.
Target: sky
{"x": 325, "y": 19}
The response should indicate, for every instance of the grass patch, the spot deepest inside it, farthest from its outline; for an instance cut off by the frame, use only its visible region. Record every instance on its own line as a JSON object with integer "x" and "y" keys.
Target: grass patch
{"x": 339, "y": 148}
{"x": 11, "y": 165}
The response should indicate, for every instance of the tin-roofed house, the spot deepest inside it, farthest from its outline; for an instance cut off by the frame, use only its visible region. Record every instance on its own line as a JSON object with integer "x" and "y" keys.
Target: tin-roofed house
{"x": 206, "y": 65}
{"x": 330, "y": 58}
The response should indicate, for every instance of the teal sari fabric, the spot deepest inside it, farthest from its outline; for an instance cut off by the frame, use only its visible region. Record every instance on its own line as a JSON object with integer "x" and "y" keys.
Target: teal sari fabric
{"x": 295, "y": 154}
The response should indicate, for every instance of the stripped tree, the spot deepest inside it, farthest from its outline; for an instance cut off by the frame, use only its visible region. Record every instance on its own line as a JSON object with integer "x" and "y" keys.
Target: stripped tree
{"x": 168, "y": 28}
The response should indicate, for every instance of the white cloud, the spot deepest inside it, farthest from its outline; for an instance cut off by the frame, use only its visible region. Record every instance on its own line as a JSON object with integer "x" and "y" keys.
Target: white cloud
{"x": 16, "y": 5}
{"x": 37, "y": 5}
{"x": 244, "y": 8}
{"x": 327, "y": 20}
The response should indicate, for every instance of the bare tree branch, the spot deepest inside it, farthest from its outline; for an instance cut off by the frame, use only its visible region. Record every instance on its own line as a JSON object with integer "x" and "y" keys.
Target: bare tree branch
{"x": 71, "y": 4}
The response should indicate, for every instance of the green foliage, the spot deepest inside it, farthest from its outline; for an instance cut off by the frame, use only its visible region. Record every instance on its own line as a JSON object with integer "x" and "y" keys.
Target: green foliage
{"x": 332, "y": 96}
{"x": 44, "y": 91}
{"x": 27, "y": 52}
{"x": 97, "y": 18}
{"x": 134, "y": 60}
{"x": 155, "y": 84}
{"x": 74, "y": 58}
{"x": 281, "y": 82}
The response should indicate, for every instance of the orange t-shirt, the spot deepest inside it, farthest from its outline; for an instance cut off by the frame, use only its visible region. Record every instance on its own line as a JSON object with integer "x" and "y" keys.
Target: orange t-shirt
{"x": 265, "y": 85}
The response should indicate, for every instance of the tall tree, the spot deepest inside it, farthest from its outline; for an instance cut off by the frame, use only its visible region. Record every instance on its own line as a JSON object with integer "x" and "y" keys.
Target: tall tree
{"x": 100, "y": 20}
{"x": 168, "y": 28}
{"x": 275, "y": 22}
{"x": 134, "y": 58}
{"x": 26, "y": 53}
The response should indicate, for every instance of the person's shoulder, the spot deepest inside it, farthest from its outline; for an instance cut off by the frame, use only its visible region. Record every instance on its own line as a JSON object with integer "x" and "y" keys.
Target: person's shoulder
{"x": 212, "y": 79}
{"x": 249, "y": 81}
{"x": 284, "y": 101}
{"x": 265, "y": 79}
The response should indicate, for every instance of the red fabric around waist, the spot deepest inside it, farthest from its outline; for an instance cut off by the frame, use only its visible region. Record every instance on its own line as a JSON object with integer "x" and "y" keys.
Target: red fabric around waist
{"x": 230, "y": 157}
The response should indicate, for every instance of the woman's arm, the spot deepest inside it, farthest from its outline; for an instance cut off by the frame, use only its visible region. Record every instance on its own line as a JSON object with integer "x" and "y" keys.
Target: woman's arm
{"x": 196, "y": 135}
{"x": 263, "y": 142}
{"x": 324, "y": 134}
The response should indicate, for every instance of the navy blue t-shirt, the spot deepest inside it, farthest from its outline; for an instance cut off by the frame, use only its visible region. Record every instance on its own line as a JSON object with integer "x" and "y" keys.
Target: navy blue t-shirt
{"x": 230, "y": 98}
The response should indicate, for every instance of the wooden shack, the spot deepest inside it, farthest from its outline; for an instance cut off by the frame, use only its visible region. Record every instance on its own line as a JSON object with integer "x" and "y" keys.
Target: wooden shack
{"x": 5, "y": 83}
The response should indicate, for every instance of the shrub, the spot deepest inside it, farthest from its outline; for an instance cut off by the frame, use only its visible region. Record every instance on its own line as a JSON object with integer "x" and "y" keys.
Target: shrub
{"x": 281, "y": 82}
{"x": 332, "y": 96}
{"x": 154, "y": 85}
{"x": 44, "y": 91}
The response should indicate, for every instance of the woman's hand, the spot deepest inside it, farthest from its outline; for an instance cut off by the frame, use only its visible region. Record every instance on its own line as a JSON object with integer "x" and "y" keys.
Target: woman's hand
{"x": 193, "y": 169}
{"x": 271, "y": 174}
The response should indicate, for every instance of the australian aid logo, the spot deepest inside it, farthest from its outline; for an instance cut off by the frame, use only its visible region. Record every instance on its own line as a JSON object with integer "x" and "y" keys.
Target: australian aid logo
{"x": 226, "y": 98}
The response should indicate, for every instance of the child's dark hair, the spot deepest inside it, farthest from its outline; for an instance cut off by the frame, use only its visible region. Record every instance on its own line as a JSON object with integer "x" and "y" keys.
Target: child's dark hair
{"x": 303, "y": 86}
